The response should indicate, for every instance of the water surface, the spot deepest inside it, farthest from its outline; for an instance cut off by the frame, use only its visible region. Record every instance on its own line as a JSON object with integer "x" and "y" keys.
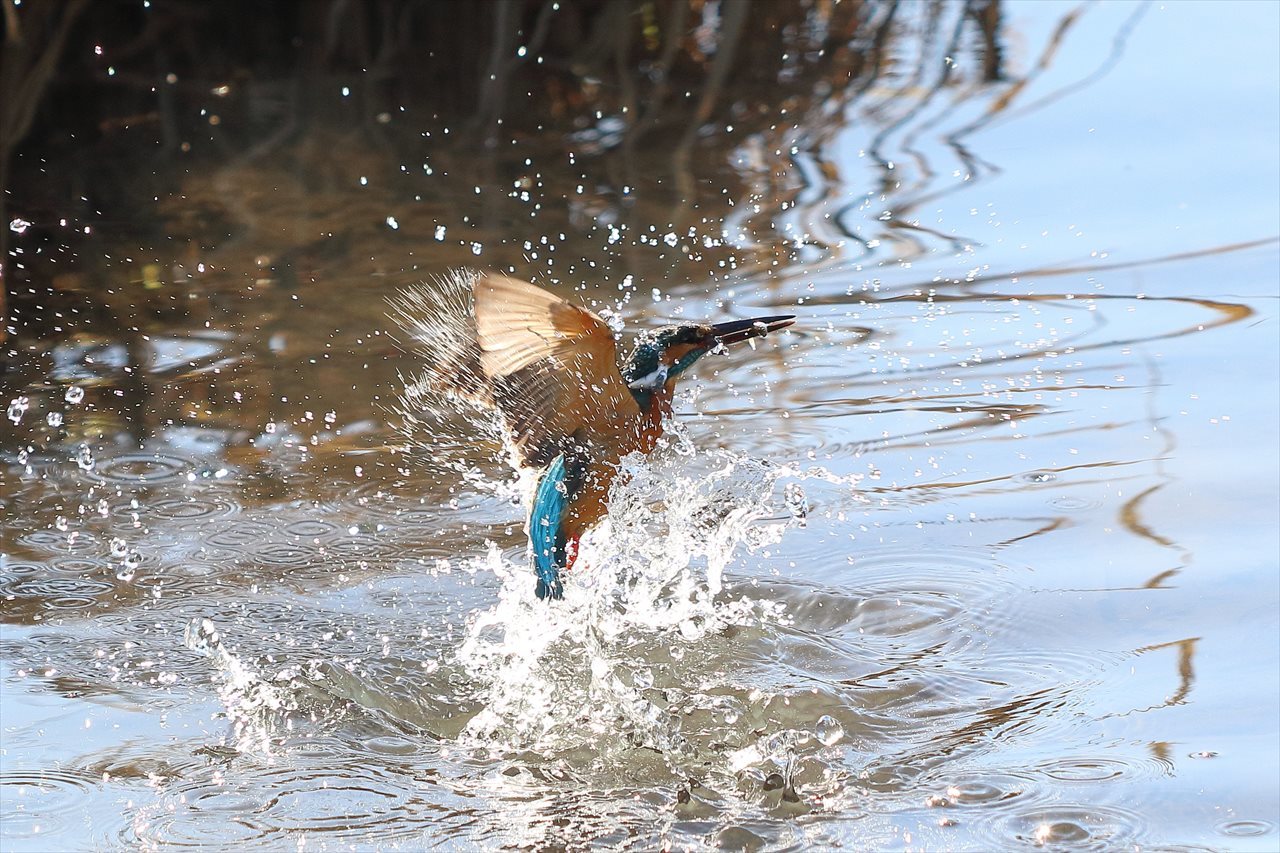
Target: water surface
{"x": 981, "y": 555}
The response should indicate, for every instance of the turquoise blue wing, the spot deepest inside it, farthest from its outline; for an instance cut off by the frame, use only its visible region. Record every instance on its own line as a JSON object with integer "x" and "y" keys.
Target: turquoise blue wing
{"x": 545, "y": 534}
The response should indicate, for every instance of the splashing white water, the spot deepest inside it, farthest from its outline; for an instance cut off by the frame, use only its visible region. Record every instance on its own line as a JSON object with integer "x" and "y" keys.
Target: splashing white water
{"x": 642, "y": 609}
{"x": 254, "y": 705}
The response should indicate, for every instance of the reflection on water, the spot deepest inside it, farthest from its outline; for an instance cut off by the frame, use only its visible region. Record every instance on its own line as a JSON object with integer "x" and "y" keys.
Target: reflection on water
{"x": 979, "y": 557}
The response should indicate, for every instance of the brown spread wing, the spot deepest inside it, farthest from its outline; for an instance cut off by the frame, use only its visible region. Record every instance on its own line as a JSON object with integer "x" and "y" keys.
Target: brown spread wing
{"x": 547, "y": 365}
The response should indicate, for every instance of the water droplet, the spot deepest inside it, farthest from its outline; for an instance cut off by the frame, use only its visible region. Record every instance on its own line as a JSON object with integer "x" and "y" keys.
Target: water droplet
{"x": 642, "y": 678}
{"x": 54, "y": 419}
{"x": 119, "y": 548}
{"x": 828, "y": 730}
{"x": 796, "y": 501}
{"x": 17, "y": 408}
{"x": 74, "y": 394}
{"x": 61, "y": 523}
{"x": 779, "y": 744}
{"x": 613, "y": 320}
{"x": 84, "y": 458}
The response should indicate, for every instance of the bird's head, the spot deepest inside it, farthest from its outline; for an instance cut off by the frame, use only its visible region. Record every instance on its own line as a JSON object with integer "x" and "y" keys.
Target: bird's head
{"x": 661, "y": 356}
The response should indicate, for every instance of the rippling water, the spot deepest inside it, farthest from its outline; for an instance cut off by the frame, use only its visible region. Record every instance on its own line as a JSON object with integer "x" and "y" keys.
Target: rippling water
{"x": 981, "y": 555}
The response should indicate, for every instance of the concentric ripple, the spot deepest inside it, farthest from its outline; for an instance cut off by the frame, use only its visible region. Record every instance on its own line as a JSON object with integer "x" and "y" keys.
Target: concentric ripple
{"x": 193, "y": 507}
{"x": 1068, "y": 827}
{"x": 1103, "y": 769}
{"x": 43, "y": 803}
{"x": 138, "y": 469}
{"x": 1246, "y": 828}
{"x": 58, "y": 593}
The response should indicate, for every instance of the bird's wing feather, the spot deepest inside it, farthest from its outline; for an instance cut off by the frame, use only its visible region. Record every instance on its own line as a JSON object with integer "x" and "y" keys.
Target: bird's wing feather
{"x": 547, "y": 365}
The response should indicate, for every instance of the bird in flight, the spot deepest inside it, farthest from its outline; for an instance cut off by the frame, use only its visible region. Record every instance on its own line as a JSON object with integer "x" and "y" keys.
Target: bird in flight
{"x": 550, "y": 370}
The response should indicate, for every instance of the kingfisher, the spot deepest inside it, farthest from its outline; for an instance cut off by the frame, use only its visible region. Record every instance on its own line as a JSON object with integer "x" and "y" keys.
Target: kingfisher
{"x": 549, "y": 368}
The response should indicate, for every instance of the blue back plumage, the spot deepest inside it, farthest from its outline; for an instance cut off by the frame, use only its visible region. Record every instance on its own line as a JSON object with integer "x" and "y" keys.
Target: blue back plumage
{"x": 544, "y": 529}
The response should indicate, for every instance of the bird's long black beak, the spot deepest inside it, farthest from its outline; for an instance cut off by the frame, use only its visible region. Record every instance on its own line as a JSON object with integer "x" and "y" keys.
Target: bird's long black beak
{"x": 736, "y": 331}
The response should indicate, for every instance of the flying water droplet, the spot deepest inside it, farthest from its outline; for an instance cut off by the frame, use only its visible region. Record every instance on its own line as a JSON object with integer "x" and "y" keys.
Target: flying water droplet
{"x": 74, "y": 394}
{"x": 84, "y": 458}
{"x": 796, "y": 501}
{"x": 17, "y": 408}
{"x": 119, "y": 548}
{"x": 54, "y": 419}
{"x": 613, "y": 320}
{"x": 828, "y": 730}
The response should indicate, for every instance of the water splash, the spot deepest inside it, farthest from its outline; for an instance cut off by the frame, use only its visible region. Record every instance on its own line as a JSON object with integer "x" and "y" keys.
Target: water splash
{"x": 255, "y": 706}
{"x": 633, "y": 647}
